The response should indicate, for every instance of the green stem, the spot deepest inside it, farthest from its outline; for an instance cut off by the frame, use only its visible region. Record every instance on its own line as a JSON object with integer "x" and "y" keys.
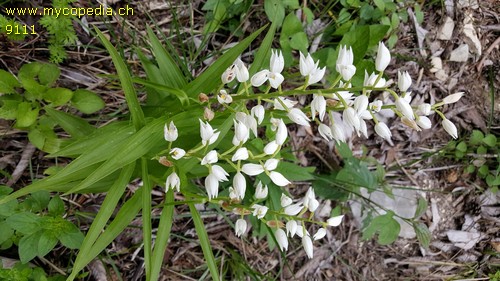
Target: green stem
{"x": 146, "y": 217}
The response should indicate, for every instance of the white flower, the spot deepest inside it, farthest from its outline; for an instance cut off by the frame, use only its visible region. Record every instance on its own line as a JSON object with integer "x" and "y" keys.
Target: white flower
{"x": 173, "y": 181}
{"x": 319, "y": 234}
{"x": 352, "y": 119}
{"x": 258, "y": 112}
{"x": 278, "y": 104}
{"x": 325, "y": 132}
{"x": 219, "y": 173}
{"x": 383, "y": 57}
{"x": 360, "y": 103}
{"x": 310, "y": 201}
{"x": 177, "y": 153}
{"x": 335, "y": 221}
{"x": 252, "y": 169}
{"x": 259, "y": 211}
{"x": 241, "y": 71}
{"x": 376, "y": 105}
{"x": 291, "y": 228}
{"x": 424, "y": 109}
{"x": 210, "y": 158}
{"x": 239, "y": 185}
{"x": 453, "y": 98}
{"x": 207, "y": 133}
{"x": 281, "y": 133}
{"x": 212, "y": 186}
{"x": 344, "y": 64}
{"x": 241, "y": 133}
{"x": 306, "y": 64}
{"x": 301, "y": 231}
{"x": 405, "y": 108}
{"x": 232, "y": 194}
{"x": 310, "y": 69}
{"x": 450, "y": 128}
{"x": 404, "y": 81}
{"x": 278, "y": 179}
{"x": 240, "y": 227}
{"x": 285, "y": 200}
{"x": 308, "y": 246}
{"x": 424, "y": 122}
{"x": 170, "y": 133}
{"x": 370, "y": 81}
{"x": 318, "y": 104}
{"x": 293, "y": 209}
{"x": 383, "y": 131}
{"x": 240, "y": 154}
{"x": 338, "y": 133}
{"x": 274, "y": 76}
{"x": 260, "y": 191}
{"x": 271, "y": 148}
{"x": 297, "y": 116}
{"x": 281, "y": 239}
{"x": 223, "y": 97}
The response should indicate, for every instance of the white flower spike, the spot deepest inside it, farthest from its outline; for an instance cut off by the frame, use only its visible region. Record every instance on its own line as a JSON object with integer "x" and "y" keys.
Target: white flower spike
{"x": 207, "y": 133}
{"x": 261, "y": 191}
{"x": 308, "y": 246}
{"x": 298, "y": 117}
{"x": 404, "y": 81}
{"x": 259, "y": 211}
{"x": 383, "y": 131}
{"x": 240, "y": 185}
{"x": 281, "y": 239}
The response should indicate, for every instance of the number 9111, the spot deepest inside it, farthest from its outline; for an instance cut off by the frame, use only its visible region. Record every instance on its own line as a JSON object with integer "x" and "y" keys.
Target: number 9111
{"x": 19, "y": 29}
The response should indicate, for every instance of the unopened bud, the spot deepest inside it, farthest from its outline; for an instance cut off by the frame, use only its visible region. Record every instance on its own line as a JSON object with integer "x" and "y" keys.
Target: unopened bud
{"x": 275, "y": 224}
{"x": 332, "y": 102}
{"x": 164, "y": 161}
{"x": 410, "y": 123}
{"x": 208, "y": 114}
{"x": 202, "y": 97}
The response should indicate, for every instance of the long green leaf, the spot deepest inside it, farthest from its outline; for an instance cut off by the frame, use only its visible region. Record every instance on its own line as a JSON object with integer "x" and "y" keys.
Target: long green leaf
{"x": 77, "y": 127}
{"x": 204, "y": 242}
{"x": 209, "y": 79}
{"x": 261, "y": 57}
{"x": 127, "y": 213}
{"x": 105, "y": 212}
{"x": 161, "y": 242}
{"x": 180, "y": 94}
{"x": 146, "y": 217}
{"x": 126, "y": 83}
{"x": 171, "y": 73}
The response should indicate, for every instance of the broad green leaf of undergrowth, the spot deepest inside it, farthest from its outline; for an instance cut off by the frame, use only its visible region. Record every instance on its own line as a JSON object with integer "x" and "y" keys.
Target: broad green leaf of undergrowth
{"x": 423, "y": 234}
{"x": 26, "y": 115}
{"x": 204, "y": 242}
{"x": 86, "y": 101}
{"x": 8, "y": 82}
{"x": 75, "y": 126}
{"x": 210, "y": 78}
{"x": 386, "y": 226}
{"x": 275, "y": 11}
{"x": 58, "y": 96}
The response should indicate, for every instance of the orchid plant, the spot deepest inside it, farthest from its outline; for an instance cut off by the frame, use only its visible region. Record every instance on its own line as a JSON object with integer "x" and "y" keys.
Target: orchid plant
{"x": 274, "y": 107}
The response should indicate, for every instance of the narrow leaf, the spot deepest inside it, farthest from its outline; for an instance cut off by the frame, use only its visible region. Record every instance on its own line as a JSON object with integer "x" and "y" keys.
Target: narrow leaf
{"x": 161, "y": 242}
{"x": 204, "y": 242}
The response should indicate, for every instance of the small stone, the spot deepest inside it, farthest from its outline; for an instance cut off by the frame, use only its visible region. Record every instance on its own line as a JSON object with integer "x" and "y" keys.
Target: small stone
{"x": 437, "y": 64}
{"x": 446, "y": 30}
{"x": 471, "y": 39}
{"x": 441, "y": 75}
{"x": 460, "y": 54}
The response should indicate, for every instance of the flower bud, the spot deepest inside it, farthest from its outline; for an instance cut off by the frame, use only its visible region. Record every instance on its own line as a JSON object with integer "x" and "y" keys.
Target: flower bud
{"x": 453, "y": 98}
{"x": 450, "y": 128}
{"x": 208, "y": 114}
{"x": 320, "y": 234}
{"x": 170, "y": 133}
{"x": 240, "y": 185}
{"x": 325, "y": 132}
{"x": 335, "y": 221}
{"x": 260, "y": 191}
{"x": 240, "y": 227}
{"x": 383, "y": 57}
{"x": 424, "y": 122}
{"x": 404, "y": 81}
{"x": 202, "y": 97}
{"x": 281, "y": 239}
{"x": 383, "y": 131}
{"x": 405, "y": 108}
{"x": 308, "y": 246}
{"x": 424, "y": 109}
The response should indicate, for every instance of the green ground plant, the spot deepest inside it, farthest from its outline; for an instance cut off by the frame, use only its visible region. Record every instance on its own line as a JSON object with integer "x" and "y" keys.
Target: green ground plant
{"x": 194, "y": 133}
